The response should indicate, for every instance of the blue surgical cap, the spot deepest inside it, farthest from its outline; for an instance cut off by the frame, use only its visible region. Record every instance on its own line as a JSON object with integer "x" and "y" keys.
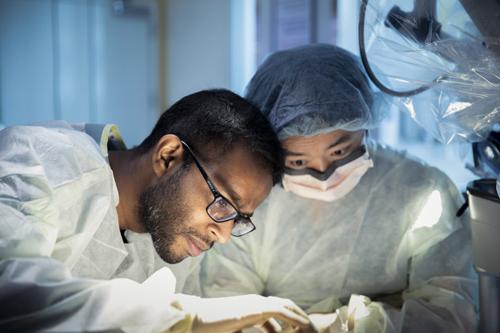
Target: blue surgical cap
{"x": 313, "y": 89}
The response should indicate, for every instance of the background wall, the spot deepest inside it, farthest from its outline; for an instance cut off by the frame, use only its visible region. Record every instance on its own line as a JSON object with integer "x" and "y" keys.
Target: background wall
{"x": 81, "y": 61}
{"x": 126, "y": 61}
{"x": 198, "y": 46}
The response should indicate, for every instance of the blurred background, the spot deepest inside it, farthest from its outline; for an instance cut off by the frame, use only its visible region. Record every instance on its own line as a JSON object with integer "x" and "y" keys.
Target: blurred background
{"x": 126, "y": 61}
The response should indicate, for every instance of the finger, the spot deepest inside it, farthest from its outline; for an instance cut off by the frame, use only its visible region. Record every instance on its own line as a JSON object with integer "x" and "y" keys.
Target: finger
{"x": 291, "y": 329}
{"x": 287, "y": 328}
{"x": 307, "y": 329}
{"x": 295, "y": 308}
{"x": 271, "y": 326}
{"x": 323, "y": 320}
{"x": 290, "y": 305}
{"x": 292, "y": 318}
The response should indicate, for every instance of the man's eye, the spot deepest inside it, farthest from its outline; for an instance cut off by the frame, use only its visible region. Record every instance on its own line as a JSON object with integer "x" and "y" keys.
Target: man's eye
{"x": 222, "y": 203}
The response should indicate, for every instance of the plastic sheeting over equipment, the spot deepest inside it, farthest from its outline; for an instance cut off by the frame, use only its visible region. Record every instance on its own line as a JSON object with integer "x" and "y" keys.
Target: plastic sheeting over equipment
{"x": 439, "y": 59}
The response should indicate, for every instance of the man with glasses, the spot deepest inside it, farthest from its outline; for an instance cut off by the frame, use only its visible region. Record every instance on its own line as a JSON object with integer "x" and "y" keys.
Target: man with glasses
{"x": 88, "y": 226}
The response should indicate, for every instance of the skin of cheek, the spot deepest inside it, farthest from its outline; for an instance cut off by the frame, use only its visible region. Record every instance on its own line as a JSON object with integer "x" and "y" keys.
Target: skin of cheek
{"x": 195, "y": 219}
{"x": 196, "y": 196}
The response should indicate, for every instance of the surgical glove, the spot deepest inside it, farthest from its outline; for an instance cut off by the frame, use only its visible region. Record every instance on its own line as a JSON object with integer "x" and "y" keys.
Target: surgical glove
{"x": 324, "y": 321}
{"x": 344, "y": 318}
{"x": 230, "y": 314}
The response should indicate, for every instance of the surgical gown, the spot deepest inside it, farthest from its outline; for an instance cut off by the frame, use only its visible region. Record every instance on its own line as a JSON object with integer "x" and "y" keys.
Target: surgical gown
{"x": 395, "y": 236}
{"x": 63, "y": 263}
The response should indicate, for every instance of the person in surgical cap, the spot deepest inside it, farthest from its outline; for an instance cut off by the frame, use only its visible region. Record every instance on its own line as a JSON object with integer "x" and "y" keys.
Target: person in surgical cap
{"x": 361, "y": 236}
{"x": 92, "y": 233}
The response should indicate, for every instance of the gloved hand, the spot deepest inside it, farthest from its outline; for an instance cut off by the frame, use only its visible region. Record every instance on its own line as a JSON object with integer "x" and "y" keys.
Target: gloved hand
{"x": 344, "y": 318}
{"x": 325, "y": 322}
{"x": 231, "y": 314}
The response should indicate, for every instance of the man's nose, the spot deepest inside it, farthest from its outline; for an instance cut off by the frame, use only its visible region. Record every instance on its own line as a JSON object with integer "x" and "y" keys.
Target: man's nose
{"x": 221, "y": 231}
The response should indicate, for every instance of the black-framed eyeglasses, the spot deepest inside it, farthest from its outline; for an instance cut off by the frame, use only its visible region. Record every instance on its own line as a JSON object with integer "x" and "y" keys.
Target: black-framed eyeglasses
{"x": 220, "y": 209}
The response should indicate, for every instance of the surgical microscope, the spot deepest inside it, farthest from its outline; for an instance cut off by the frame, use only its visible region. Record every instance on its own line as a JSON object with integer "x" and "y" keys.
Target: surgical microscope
{"x": 481, "y": 129}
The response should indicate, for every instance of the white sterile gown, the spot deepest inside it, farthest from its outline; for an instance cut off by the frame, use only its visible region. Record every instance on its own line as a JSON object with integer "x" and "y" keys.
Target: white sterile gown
{"x": 63, "y": 263}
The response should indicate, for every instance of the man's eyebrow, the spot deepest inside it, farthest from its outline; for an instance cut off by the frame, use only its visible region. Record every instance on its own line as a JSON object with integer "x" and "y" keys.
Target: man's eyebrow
{"x": 234, "y": 197}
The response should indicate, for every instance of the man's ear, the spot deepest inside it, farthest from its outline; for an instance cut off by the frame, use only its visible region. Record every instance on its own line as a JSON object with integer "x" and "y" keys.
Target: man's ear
{"x": 167, "y": 154}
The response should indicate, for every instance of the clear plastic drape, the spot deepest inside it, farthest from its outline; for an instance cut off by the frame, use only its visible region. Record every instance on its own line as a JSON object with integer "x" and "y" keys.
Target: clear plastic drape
{"x": 435, "y": 44}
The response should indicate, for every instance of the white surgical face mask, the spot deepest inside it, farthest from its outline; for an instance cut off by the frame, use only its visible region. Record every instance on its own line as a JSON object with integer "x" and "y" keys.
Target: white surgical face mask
{"x": 340, "y": 178}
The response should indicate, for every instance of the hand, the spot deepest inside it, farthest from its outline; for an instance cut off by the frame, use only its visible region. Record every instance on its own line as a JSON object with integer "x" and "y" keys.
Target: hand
{"x": 273, "y": 326}
{"x": 344, "y": 318}
{"x": 230, "y": 314}
{"x": 324, "y": 321}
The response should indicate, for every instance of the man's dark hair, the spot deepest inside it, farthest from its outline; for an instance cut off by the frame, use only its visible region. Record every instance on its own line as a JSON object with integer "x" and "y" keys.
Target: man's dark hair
{"x": 214, "y": 121}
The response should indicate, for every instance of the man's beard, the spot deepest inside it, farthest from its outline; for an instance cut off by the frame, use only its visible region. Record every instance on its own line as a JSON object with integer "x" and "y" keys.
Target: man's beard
{"x": 162, "y": 212}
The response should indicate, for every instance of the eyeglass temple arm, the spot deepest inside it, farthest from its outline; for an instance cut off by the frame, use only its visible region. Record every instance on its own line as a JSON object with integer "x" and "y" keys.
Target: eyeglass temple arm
{"x": 202, "y": 171}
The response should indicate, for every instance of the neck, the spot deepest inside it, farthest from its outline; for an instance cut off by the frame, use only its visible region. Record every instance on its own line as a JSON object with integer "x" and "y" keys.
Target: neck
{"x": 128, "y": 171}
